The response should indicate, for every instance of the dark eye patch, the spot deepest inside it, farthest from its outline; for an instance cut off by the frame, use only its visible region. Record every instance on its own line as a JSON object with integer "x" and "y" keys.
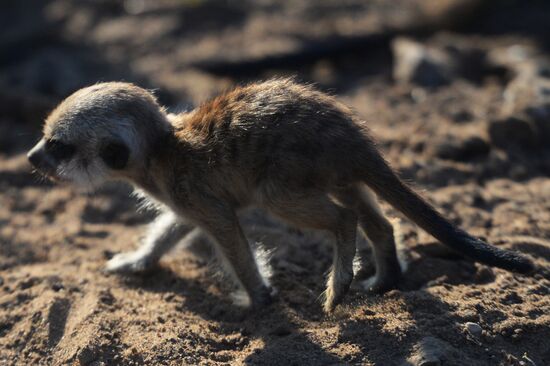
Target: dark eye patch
{"x": 115, "y": 155}
{"x": 60, "y": 150}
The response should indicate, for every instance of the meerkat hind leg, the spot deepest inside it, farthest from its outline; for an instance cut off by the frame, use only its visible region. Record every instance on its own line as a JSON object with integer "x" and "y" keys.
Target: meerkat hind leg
{"x": 319, "y": 212}
{"x": 364, "y": 266}
{"x": 163, "y": 234}
{"x": 380, "y": 234}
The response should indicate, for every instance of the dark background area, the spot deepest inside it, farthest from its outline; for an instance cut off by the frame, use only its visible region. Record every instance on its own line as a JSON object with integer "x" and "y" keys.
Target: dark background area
{"x": 457, "y": 92}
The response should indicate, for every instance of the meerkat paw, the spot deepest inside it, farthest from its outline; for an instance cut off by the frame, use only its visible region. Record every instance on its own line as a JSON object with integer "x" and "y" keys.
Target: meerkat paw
{"x": 259, "y": 300}
{"x": 362, "y": 274}
{"x": 241, "y": 299}
{"x": 378, "y": 284}
{"x": 336, "y": 291}
{"x": 131, "y": 262}
{"x": 333, "y": 298}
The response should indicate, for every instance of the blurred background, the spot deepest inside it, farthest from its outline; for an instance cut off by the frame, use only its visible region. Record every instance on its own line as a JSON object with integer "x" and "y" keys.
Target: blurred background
{"x": 456, "y": 91}
{"x": 470, "y": 62}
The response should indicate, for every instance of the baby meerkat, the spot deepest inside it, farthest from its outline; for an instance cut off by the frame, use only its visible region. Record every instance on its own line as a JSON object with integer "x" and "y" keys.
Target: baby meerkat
{"x": 289, "y": 148}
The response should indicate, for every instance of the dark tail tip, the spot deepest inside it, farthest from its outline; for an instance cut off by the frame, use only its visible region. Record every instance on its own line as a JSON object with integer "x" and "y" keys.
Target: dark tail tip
{"x": 493, "y": 256}
{"x": 523, "y": 265}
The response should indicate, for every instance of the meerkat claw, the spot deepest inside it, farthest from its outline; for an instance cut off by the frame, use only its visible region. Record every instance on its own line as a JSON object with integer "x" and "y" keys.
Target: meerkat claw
{"x": 131, "y": 262}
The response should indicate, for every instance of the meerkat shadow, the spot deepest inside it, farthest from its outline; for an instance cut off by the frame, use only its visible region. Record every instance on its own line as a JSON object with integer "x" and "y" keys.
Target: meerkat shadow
{"x": 434, "y": 264}
{"x": 430, "y": 264}
{"x": 426, "y": 271}
{"x": 276, "y": 326}
{"x": 188, "y": 294}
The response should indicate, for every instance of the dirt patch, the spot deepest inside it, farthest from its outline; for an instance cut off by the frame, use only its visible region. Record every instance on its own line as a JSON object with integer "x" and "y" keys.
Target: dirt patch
{"x": 474, "y": 144}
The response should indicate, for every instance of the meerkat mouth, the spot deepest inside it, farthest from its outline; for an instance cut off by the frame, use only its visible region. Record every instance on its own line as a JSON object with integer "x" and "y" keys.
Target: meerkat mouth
{"x": 51, "y": 176}
{"x": 50, "y": 173}
{"x": 56, "y": 178}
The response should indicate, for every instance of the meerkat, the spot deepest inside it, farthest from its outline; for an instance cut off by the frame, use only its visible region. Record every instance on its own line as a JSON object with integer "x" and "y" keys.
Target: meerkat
{"x": 289, "y": 148}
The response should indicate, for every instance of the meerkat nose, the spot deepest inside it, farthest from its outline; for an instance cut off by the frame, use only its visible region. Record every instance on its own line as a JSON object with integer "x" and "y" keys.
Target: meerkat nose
{"x": 36, "y": 155}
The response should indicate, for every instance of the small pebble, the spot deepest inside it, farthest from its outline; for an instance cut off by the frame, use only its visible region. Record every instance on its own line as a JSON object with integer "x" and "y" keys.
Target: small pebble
{"x": 473, "y": 328}
{"x": 108, "y": 254}
{"x": 368, "y": 312}
{"x": 57, "y": 286}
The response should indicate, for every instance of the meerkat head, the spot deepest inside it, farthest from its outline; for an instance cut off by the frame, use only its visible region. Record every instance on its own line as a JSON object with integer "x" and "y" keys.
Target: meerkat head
{"x": 100, "y": 132}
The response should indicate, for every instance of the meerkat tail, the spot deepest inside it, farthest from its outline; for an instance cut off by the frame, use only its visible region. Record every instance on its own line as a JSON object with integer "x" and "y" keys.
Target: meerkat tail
{"x": 385, "y": 182}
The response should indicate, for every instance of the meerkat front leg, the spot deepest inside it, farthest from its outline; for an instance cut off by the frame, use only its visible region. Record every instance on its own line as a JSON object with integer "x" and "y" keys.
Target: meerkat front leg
{"x": 237, "y": 257}
{"x": 163, "y": 234}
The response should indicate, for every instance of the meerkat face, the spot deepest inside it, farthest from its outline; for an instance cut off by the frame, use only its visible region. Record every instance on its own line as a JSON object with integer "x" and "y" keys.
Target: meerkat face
{"x": 96, "y": 134}
{"x": 86, "y": 163}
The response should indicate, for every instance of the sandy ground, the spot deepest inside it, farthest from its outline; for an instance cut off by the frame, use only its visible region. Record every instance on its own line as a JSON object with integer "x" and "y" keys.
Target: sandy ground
{"x": 475, "y": 144}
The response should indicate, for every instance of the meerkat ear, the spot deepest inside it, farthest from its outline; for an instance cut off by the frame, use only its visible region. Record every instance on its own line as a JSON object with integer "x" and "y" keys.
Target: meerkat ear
{"x": 115, "y": 154}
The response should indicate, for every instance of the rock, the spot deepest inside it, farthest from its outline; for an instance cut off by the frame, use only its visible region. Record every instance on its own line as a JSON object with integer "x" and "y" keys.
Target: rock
{"x": 461, "y": 149}
{"x": 461, "y": 116}
{"x": 436, "y": 63}
{"x": 527, "y": 128}
{"x": 512, "y": 298}
{"x": 29, "y": 282}
{"x": 168, "y": 297}
{"x": 430, "y": 351}
{"x": 525, "y": 115}
{"x": 418, "y": 64}
{"x": 106, "y": 297}
{"x": 516, "y": 130}
{"x": 108, "y": 254}
{"x": 529, "y": 85}
{"x": 58, "y": 286}
{"x": 473, "y": 328}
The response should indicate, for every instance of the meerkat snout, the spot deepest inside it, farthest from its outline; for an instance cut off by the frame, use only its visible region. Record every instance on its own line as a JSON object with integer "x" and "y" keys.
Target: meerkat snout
{"x": 60, "y": 161}
{"x": 38, "y": 158}
{"x": 47, "y": 155}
